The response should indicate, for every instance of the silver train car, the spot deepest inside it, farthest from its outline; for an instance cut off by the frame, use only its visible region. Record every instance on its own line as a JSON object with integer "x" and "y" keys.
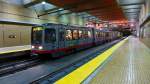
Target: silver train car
{"x": 56, "y": 39}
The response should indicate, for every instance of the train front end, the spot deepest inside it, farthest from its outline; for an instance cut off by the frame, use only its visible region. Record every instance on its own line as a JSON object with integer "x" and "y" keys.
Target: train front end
{"x": 37, "y": 40}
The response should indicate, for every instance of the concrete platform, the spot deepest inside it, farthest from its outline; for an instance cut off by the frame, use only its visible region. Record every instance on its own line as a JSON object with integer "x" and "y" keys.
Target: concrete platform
{"x": 5, "y": 50}
{"x": 130, "y": 64}
{"x": 14, "y": 51}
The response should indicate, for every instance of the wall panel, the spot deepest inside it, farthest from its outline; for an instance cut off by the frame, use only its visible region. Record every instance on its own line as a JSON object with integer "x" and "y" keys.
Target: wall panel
{"x": 25, "y": 35}
{"x": 14, "y": 35}
{"x": 11, "y": 35}
{"x": 1, "y": 36}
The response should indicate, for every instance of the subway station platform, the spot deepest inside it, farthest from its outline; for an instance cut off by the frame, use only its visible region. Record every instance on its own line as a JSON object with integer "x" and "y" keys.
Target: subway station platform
{"x": 129, "y": 65}
{"x": 5, "y": 50}
{"x": 125, "y": 63}
{"x": 14, "y": 51}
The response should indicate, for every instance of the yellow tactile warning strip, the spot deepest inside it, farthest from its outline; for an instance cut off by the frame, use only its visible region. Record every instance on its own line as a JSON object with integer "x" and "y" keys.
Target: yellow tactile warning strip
{"x": 14, "y": 49}
{"x": 80, "y": 74}
{"x": 130, "y": 64}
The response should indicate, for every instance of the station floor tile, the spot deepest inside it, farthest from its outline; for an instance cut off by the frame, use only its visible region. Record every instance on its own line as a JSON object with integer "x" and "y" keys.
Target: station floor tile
{"x": 130, "y": 64}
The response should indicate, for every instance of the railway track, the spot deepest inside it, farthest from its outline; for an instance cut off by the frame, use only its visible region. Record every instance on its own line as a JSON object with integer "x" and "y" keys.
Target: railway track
{"x": 9, "y": 68}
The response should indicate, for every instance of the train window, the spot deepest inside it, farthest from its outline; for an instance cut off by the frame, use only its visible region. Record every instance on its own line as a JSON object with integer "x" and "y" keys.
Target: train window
{"x": 61, "y": 35}
{"x": 107, "y": 34}
{"x": 37, "y": 35}
{"x": 85, "y": 34}
{"x": 89, "y": 34}
{"x": 50, "y": 35}
{"x": 75, "y": 34}
{"x": 103, "y": 34}
{"x": 80, "y": 34}
{"x": 68, "y": 35}
{"x": 100, "y": 34}
{"x": 96, "y": 34}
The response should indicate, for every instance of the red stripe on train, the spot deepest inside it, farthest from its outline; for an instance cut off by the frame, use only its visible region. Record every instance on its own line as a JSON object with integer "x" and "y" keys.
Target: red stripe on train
{"x": 61, "y": 49}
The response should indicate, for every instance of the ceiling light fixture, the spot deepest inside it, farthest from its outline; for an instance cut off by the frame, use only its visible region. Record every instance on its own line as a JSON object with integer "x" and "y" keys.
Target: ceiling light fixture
{"x": 43, "y": 2}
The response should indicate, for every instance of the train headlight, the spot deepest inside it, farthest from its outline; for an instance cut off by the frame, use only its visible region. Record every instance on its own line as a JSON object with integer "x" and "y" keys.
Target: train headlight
{"x": 32, "y": 47}
{"x": 40, "y": 47}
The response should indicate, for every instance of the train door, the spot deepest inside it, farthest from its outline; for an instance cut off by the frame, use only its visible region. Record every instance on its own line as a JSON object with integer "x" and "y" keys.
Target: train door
{"x": 96, "y": 36}
{"x": 90, "y": 36}
{"x": 93, "y": 33}
{"x": 50, "y": 38}
{"x": 81, "y": 36}
{"x": 61, "y": 37}
{"x": 84, "y": 37}
{"x": 101, "y": 37}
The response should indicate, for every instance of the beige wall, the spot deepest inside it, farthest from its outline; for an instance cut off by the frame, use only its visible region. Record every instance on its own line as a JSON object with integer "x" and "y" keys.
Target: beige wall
{"x": 1, "y": 36}
{"x": 145, "y": 11}
{"x": 25, "y": 35}
{"x": 146, "y": 36}
{"x": 11, "y": 30}
{"x": 22, "y": 35}
{"x": 147, "y": 7}
{"x": 144, "y": 31}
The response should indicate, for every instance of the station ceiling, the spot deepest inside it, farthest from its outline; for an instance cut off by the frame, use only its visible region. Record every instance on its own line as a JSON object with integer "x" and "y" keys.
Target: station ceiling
{"x": 103, "y": 9}
{"x": 107, "y": 10}
{"x": 131, "y": 8}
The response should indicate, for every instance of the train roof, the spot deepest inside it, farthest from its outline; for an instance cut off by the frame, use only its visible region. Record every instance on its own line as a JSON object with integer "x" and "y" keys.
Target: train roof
{"x": 64, "y": 25}
{"x": 72, "y": 26}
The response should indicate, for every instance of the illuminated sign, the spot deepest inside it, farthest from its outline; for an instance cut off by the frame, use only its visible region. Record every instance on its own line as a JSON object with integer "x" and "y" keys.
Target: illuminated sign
{"x": 38, "y": 28}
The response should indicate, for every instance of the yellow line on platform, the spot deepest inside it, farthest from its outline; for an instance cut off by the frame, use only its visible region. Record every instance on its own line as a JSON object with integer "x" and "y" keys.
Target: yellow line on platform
{"x": 81, "y": 73}
{"x": 12, "y": 51}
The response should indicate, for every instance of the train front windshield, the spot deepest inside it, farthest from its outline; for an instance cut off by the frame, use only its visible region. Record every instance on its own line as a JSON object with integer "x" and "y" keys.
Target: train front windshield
{"x": 37, "y": 35}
